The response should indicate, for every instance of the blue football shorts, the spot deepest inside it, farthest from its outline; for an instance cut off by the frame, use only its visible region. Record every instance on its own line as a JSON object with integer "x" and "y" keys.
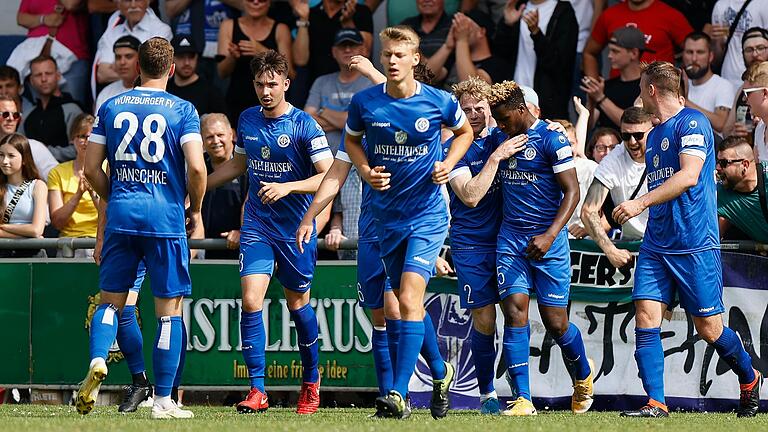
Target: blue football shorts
{"x": 696, "y": 278}
{"x": 476, "y": 273}
{"x": 412, "y": 248}
{"x": 166, "y": 261}
{"x": 372, "y": 280}
{"x": 259, "y": 253}
{"x": 549, "y": 277}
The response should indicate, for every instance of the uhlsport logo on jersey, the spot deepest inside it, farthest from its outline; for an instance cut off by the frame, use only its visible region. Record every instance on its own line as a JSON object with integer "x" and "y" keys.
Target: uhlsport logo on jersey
{"x": 693, "y": 124}
{"x": 401, "y": 137}
{"x": 530, "y": 153}
{"x": 265, "y": 153}
{"x": 283, "y": 140}
{"x": 561, "y": 139}
{"x": 656, "y": 161}
{"x": 422, "y": 124}
{"x": 664, "y": 144}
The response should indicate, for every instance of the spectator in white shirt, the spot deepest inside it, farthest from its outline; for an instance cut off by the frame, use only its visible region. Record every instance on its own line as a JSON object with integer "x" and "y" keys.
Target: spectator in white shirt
{"x": 756, "y": 95}
{"x": 126, "y": 50}
{"x": 134, "y": 18}
{"x": 705, "y": 91}
{"x": 622, "y": 175}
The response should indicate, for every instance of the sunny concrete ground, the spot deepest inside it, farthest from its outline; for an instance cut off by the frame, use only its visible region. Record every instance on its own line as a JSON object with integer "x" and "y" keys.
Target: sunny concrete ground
{"x": 215, "y": 419}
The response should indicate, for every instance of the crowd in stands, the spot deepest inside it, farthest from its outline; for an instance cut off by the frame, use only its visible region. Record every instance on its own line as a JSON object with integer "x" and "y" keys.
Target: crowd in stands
{"x": 579, "y": 62}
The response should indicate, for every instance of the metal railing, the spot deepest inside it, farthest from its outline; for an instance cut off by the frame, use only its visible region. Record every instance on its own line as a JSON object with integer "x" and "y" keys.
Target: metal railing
{"x": 68, "y": 245}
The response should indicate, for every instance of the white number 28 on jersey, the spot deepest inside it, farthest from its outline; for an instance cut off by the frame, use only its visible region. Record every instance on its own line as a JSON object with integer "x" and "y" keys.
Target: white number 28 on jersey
{"x": 153, "y": 128}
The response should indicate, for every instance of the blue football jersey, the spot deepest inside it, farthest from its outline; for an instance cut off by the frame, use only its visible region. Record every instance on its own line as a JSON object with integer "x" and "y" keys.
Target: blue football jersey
{"x": 476, "y": 228}
{"x": 366, "y": 228}
{"x": 687, "y": 223}
{"x": 144, "y": 130}
{"x": 279, "y": 150}
{"x": 404, "y": 136}
{"x": 530, "y": 190}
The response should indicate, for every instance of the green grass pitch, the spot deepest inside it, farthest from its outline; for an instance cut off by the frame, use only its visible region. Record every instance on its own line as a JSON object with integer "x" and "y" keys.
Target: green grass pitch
{"x": 214, "y": 419}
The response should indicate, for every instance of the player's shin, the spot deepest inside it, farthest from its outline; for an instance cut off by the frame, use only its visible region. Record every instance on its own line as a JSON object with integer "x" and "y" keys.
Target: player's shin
{"x": 131, "y": 344}
{"x": 393, "y": 340}
{"x": 306, "y": 330}
{"x": 254, "y": 345}
{"x": 516, "y": 351}
{"x": 182, "y": 360}
{"x": 484, "y": 356}
{"x": 731, "y": 350}
{"x": 430, "y": 349}
{"x": 166, "y": 354}
{"x": 382, "y": 360}
{"x": 573, "y": 348}
{"x": 411, "y": 340}
{"x": 104, "y": 326}
{"x": 649, "y": 355}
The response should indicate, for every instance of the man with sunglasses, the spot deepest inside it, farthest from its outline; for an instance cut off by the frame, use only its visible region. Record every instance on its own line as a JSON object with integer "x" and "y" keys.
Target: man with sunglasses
{"x": 738, "y": 195}
{"x": 622, "y": 175}
{"x": 756, "y": 95}
{"x": 10, "y": 116}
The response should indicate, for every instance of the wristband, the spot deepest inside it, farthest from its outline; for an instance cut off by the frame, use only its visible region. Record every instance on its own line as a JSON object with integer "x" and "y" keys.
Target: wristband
{"x": 302, "y": 23}
{"x": 42, "y": 19}
{"x": 602, "y": 99}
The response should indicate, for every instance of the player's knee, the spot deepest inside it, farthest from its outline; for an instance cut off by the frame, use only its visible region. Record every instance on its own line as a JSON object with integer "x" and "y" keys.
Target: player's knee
{"x": 391, "y": 306}
{"x": 378, "y": 318}
{"x": 709, "y": 328}
{"x": 555, "y": 320}
{"x": 484, "y": 319}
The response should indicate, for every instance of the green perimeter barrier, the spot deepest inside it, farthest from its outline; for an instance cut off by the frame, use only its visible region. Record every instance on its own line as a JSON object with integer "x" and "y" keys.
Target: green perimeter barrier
{"x": 45, "y": 307}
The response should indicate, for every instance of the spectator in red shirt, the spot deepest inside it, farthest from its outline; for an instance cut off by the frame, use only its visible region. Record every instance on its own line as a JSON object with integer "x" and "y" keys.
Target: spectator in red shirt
{"x": 665, "y": 30}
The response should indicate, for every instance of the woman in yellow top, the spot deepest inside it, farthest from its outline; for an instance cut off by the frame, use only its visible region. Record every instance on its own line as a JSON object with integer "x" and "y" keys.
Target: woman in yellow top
{"x": 71, "y": 200}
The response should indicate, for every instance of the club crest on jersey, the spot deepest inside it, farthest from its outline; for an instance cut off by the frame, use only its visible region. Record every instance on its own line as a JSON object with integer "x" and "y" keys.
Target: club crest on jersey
{"x": 401, "y": 137}
{"x": 664, "y": 144}
{"x": 265, "y": 152}
{"x": 530, "y": 153}
{"x": 692, "y": 124}
{"x": 512, "y": 163}
{"x": 422, "y": 124}
{"x": 283, "y": 140}
{"x": 656, "y": 160}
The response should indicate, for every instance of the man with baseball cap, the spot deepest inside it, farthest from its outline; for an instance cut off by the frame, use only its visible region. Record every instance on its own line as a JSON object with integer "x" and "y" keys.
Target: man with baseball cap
{"x": 186, "y": 83}
{"x": 126, "y": 50}
{"x": 609, "y": 98}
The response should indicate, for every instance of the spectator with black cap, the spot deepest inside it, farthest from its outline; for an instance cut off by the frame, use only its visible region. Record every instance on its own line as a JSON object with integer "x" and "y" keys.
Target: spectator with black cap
{"x": 187, "y": 83}
{"x": 126, "y": 54}
{"x": 608, "y": 99}
{"x": 330, "y": 94}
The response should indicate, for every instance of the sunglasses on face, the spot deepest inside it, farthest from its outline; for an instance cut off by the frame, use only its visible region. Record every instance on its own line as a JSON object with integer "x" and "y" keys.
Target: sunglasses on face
{"x": 625, "y": 136}
{"x": 8, "y": 114}
{"x": 723, "y": 163}
{"x": 752, "y": 90}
